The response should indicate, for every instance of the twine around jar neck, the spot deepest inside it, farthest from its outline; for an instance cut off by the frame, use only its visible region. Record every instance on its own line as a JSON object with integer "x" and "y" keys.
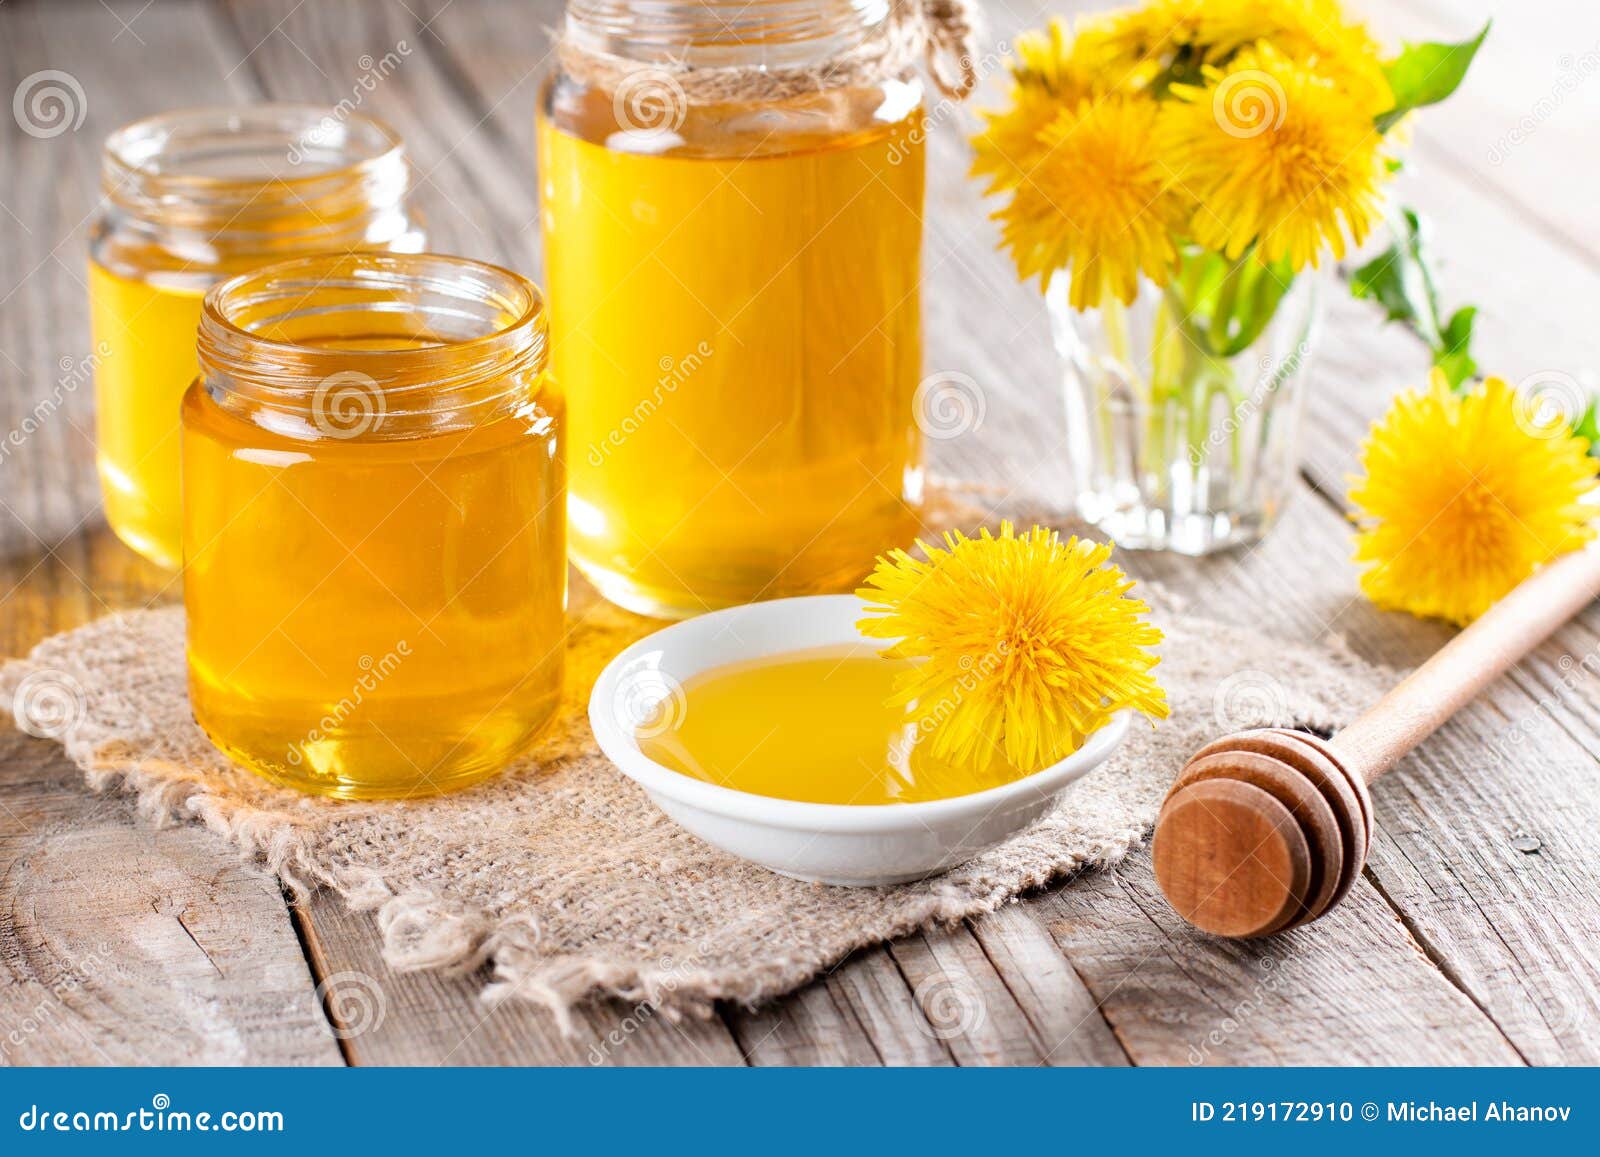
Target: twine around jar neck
{"x": 944, "y": 33}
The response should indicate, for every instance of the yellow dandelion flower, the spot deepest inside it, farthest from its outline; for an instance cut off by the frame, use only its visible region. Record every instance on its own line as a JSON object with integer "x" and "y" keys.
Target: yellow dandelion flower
{"x": 1463, "y": 497}
{"x": 1055, "y": 68}
{"x": 1009, "y": 148}
{"x": 1034, "y": 642}
{"x": 1156, "y": 35}
{"x": 1275, "y": 156}
{"x": 1098, "y": 203}
{"x": 1321, "y": 36}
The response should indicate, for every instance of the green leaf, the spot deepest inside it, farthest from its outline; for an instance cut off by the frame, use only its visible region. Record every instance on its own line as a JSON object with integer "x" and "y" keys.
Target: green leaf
{"x": 1425, "y": 74}
{"x": 1401, "y": 280}
{"x": 1454, "y": 352}
{"x": 1588, "y": 426}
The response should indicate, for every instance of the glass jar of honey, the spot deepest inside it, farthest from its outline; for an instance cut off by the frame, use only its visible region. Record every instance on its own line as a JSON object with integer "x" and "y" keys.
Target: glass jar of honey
{"x": 192, "y": 198}
{"x": 374, "y": 523}
{"x": 732, "y": 239}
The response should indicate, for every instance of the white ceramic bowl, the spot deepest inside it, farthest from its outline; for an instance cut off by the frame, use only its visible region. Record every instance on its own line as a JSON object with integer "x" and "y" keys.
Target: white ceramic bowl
{"x": 831, "y": 843}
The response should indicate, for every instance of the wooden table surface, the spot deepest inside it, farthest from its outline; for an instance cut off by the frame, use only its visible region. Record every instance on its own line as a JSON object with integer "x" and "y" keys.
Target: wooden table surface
{"x": 1474, "y": 936}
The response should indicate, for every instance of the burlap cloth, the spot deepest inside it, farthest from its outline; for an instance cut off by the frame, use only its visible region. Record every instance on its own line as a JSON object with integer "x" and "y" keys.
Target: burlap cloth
{"x": 564, "y": 877}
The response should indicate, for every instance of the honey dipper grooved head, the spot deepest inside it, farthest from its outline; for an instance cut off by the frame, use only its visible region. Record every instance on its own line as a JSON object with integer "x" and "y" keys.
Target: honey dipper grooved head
{"x": 1261, "y": 831}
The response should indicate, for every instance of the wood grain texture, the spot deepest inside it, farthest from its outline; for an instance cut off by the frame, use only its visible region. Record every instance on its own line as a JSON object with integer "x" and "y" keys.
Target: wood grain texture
{"x": 1353, "y": 989}
{"x": 427, "y": 1018}
{"x": 124, "y": 945}
{"x": 121, "y": 944}
{"x": 1460, "y": 945}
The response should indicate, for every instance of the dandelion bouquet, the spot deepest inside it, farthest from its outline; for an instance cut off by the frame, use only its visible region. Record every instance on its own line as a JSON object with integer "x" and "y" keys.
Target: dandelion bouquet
{"x": 1172, "y": 174}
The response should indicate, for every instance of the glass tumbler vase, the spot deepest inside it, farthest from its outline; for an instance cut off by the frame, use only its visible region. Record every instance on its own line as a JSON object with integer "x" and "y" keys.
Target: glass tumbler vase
{"x": 1175, "y": 446}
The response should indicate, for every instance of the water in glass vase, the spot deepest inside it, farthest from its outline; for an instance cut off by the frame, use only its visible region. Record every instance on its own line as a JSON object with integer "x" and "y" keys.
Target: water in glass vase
{"x": 1183, "y": 407}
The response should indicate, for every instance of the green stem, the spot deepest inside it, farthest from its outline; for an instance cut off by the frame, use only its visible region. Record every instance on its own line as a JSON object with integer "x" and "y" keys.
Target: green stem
{"x": 1227, "y": 302}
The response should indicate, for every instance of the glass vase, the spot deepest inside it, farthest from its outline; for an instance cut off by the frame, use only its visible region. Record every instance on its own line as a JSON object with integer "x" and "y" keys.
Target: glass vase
{"x": 1183, "y": 408}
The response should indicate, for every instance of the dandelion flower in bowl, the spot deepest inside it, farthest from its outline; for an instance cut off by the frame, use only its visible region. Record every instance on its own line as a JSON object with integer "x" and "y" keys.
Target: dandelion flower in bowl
{"x": 1027, "y": 643}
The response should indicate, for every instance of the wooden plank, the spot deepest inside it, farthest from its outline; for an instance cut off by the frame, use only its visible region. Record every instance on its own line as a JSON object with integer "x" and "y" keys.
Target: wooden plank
{"x": 1062, "y": 1013}
{"x": 429, "y": 1018}
{"x": 861, "y": 1012}
{"x": 122, "y": 944}
{"x": 1529, "y": 111}
{"x": 1045, "y": 1017}
{"x": 1516, "y": 771}
{"x": 476, "y": 194}
{"x": 1352, "y": 990}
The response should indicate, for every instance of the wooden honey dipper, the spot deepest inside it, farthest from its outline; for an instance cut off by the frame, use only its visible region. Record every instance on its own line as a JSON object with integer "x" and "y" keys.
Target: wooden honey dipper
{"x": 1268, "y": 829}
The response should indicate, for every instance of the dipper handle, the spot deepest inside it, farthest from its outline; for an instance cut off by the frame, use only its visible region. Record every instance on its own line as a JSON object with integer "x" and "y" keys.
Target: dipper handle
{"x": 1416, "y": 707}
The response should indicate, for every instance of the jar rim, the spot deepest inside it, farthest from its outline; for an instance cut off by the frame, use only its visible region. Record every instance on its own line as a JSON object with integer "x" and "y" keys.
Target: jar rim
{"x": 130, "y": 149}
{"x": 452, "y": 380}
{"x": 244, "y": 169}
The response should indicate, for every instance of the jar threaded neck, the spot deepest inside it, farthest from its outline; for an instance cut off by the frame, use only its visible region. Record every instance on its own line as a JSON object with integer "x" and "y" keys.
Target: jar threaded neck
{"x": 260, "y": 178}
{"x": 373, "y": 345}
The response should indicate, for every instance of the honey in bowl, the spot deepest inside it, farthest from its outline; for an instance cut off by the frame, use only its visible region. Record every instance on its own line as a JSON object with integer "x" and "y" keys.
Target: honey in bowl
{"x": 815, "y": 726}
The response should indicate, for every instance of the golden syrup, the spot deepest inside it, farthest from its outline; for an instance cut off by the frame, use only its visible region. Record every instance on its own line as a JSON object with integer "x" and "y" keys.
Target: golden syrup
{"x": 149, "y": 335}
{"x": 375, "y": 606}
{"x": 813, "y": 726}
{"x": 739, "y": 340}
{"x": 191, "y": 198}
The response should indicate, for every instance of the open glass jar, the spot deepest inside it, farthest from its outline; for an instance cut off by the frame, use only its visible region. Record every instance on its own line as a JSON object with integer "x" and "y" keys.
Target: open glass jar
{"x": 192, "y": 198}
{"x": 733, "y": 271}
{"x": 374, "y": 523}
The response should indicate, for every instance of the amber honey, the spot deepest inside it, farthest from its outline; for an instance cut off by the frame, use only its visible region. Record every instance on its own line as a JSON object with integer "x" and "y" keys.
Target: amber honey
{"x": 736, "y": 326}
{"x": 374, "y": 524}
{"x": 815, "y": 726}
{"x": 194, "y": 197}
